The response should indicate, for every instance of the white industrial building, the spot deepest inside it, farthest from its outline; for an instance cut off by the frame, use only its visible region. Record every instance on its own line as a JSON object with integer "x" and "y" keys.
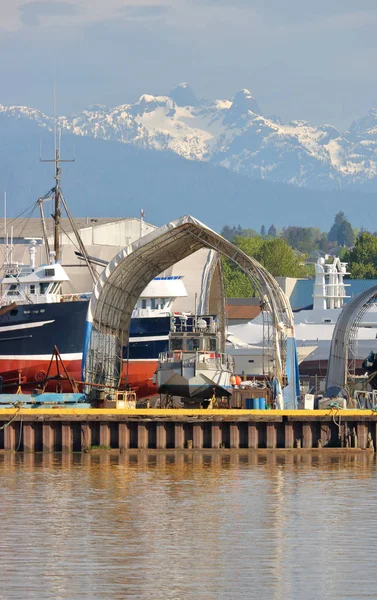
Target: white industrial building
{"x": 103, "y": 238}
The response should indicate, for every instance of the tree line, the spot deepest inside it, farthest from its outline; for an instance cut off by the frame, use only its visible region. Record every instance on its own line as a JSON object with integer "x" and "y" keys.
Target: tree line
{"x": 291, "y": 251}
{"x": 303, "y": 239}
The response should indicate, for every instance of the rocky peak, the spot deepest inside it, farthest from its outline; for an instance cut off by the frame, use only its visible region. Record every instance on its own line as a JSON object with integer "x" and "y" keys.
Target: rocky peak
{"x": 243, "y": 103}
{"x": 184, "y": 95}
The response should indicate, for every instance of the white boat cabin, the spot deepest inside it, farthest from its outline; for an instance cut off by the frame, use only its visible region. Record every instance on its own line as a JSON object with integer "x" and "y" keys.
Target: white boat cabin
{"x": 28, "y": 284}
{"x": 24, "y": 285}
{"x": 158, "y": 297}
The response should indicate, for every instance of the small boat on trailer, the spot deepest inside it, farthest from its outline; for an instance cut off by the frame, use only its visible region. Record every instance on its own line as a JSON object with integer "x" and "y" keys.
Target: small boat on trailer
{"x": 194, "y": 369}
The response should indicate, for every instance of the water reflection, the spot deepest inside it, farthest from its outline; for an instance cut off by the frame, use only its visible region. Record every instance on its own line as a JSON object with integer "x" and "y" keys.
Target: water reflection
{"x": 229, "y": 524}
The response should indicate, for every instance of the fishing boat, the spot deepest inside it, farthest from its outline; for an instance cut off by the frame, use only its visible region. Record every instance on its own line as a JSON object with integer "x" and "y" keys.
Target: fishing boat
{"x": 36, "y": 316}
{"x": 194, "y": 368}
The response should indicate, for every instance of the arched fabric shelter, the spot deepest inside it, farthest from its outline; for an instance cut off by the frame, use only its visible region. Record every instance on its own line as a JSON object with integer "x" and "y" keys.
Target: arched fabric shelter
{"x": 125, "y": 277}
{"x": 343, "y": 343}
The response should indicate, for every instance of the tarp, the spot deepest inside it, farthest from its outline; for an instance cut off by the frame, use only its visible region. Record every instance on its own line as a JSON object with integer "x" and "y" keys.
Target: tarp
{"x": 129, "y": 272}
{"x": 351, "y": 314}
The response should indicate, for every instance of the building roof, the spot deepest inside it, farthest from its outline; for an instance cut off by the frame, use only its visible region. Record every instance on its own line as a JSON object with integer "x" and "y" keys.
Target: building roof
{"x": 245, "y": 311}
{"x": 243, "y": 301}
{"x": 242, "y": 308}
{"x": 32, "y": 227}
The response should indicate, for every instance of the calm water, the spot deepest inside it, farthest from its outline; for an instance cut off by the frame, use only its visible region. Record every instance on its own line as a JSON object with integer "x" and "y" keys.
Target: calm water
{"x": 228, "y": 525}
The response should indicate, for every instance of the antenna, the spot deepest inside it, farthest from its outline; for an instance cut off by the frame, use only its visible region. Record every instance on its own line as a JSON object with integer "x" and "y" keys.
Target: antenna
{"x": 57, "y": 192}
{"x": 54, "y": 118}
{"x": 11, "y": 245}
{"x": 142, "y": 215}
{"x": 5, "y": 228}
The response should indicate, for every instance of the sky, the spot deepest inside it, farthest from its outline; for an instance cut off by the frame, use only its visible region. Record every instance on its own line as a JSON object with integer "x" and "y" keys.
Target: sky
{"x": 313, "y": 61}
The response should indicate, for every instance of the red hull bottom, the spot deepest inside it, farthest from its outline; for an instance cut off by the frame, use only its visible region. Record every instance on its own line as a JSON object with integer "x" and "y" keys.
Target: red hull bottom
{"x": 29, "y": 373}
{"x": 139, "y": 376}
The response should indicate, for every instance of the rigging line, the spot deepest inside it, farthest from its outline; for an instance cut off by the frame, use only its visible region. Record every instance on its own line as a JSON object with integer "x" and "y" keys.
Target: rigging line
{"x": 31, "y": 210}
{"x": 48, "y": 195}
{"x": 20, "y": 435}
{"x": 92, "y": 272}
{"x": 27, "y": 219}
{"x": 70, "y": 239}
{"x": 13, "y": 418}
{"x": 32, "y": 206}
{"x": 77, "y": 247}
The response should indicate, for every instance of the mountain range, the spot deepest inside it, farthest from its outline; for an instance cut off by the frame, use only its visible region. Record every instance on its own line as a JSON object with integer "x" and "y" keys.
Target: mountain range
{"x": 181, "y": 153}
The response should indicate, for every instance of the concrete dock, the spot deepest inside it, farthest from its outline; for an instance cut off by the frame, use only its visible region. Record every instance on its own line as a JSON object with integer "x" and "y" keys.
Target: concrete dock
{"x": 80, "y": 430}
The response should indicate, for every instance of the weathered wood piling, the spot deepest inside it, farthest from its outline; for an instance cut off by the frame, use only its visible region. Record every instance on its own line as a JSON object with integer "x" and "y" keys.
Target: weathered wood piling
{"x": 80, "y": 430}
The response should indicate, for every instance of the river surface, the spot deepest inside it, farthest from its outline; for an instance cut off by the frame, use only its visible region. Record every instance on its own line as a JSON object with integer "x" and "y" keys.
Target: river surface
{"x": 188, "y": 525}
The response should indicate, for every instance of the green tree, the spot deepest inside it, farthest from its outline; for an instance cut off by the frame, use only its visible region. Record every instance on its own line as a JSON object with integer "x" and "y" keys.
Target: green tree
{"x": 323, "y": 243}
{"x": 346, "y": 236}
{"x": 263, "y": 231}
{"x": 303, "y": 239}
{"x": 272, "y": 231}
{"x": 362, "y": 259}
{"x": 229, "y": 233}
{"x": 341, "y": 232}
{"x": 275, "y": 255}
{"x": 237, "y": 284}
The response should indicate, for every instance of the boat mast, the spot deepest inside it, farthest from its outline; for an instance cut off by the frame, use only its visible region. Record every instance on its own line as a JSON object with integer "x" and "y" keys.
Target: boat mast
{"x": 57, "y": 192}
{"x": 57, "y": 212}
{"x": 59, "y": 201}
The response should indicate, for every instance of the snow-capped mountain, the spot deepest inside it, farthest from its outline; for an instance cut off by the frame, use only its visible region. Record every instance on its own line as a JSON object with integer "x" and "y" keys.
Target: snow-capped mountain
{"x": 231, "y": 133}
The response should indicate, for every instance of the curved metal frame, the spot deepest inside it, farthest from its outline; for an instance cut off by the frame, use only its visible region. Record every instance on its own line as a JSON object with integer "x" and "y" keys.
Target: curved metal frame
{"x": 343, "y": 348}
{"x": 125, "y": 277}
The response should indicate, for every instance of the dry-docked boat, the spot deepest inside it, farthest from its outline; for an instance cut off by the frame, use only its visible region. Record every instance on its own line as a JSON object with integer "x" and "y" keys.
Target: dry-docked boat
{"x": 194, "y": 367}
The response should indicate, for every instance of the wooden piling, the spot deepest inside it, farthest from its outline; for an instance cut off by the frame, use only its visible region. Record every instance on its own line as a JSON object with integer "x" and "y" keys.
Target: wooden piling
{"x": 67, "y": 437}
{"x": 362, "y": 433}
{"x": 289, "y": 435}
{"x": 234, "y": 436}
{"x": 75, "y": 430}
{"x": 215, "y": 436}
{"x": 161, "y": 436}
{"x": 28, "y": 437}
{"x": 271, "y": 435}
{"x": 10, "y": 437}
{"x": 142, "y": 436}
{"x": 86, "y": 436}
{"x": 325, "y": 435}
{"x": 253, "y": 436}
{"x": 123, "y": 436}
{"x": 179, "y": 436}
{"x": 48, "y": 438}
{"x": 197, "y": 437}
{"x": 307, "y": 435}
{"x": 104, "y": 434}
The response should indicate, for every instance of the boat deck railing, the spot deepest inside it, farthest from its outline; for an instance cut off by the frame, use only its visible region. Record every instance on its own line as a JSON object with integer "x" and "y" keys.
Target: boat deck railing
{"x": 200, "y": 359}
{"x": 365, "y": 399}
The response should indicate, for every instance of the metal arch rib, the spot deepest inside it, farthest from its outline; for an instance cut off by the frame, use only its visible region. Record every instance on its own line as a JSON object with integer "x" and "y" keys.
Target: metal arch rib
{"x": 125, "y": 277}
{"x": 344, "y": 334}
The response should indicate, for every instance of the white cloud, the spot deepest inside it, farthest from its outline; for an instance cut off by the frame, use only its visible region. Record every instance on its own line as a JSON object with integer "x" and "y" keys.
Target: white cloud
{"x": 19, "y": 13}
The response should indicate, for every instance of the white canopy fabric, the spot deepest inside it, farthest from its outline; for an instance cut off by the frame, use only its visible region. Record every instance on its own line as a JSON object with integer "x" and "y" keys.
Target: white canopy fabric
{"x": 345, "y": 332}
{"x": 130, "y": 271}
